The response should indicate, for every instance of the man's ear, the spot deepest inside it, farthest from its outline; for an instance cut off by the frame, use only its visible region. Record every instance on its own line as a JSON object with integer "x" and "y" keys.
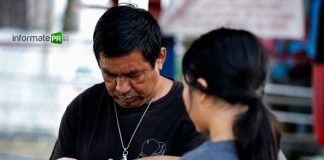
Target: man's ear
{"x": 99, "y": 62}
{"x": 161, "y": 58}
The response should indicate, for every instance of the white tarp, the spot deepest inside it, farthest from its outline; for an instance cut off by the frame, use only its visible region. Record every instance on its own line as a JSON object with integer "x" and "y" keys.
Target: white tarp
{"x": 266, "y": 18}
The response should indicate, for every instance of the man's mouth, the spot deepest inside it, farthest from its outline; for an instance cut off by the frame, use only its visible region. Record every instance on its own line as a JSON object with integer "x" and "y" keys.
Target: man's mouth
{"x": 126, "y": 99}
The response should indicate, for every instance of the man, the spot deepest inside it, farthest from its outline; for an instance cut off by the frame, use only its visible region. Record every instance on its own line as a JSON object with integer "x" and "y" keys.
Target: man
{"x": 136, "y": 112}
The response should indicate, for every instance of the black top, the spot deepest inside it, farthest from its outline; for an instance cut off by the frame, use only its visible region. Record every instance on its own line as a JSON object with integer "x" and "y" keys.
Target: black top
{"x": 88, "y": 128}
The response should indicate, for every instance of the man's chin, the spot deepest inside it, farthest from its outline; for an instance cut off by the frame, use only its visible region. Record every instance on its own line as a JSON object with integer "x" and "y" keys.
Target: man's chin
{"x": 127, "y": 104}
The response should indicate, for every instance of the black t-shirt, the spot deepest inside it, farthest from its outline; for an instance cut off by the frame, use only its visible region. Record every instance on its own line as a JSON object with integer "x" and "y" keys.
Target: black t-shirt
{"x": 89, "y": 130}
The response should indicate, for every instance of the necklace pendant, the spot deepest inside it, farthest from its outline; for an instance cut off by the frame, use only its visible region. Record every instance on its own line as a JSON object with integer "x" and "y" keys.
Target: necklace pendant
{"x": 125, "y": 153}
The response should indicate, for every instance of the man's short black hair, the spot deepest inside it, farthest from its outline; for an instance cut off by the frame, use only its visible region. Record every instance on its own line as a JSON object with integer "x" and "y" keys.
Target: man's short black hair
{"x": 124, "y": 29}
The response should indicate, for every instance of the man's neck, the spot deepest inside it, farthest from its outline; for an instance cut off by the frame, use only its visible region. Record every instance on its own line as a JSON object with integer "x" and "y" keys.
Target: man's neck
{"x": 163, "y": 87}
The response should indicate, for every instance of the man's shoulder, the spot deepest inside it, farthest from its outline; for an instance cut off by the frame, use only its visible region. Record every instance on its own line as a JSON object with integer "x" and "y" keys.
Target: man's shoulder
{"x": 172, "y": 103}
{"x": 174, "y": 95}
{"x": 91, "y": 95}
{"x": 178, "y": 84}
{"x": 89, "y": 100}
{"x": 176, "y": 88}
{"x": 94, "y": 90}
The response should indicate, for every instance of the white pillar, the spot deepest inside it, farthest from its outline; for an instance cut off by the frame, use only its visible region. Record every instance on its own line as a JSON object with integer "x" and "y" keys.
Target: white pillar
{"x": 139, "y": 3}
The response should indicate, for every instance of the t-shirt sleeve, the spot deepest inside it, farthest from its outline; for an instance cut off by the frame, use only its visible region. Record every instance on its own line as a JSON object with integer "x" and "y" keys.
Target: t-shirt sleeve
{"x": 65, "y": 145}
{"x": 187, "y": 138}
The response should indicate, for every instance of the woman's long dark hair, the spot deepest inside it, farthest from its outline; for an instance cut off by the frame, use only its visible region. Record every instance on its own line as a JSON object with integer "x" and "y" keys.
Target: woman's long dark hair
{"x": 234, "y": 64}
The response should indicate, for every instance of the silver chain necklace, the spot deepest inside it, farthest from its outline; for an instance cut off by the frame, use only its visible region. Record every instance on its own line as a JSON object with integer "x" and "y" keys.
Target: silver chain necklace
{"x": 125, "y": 152}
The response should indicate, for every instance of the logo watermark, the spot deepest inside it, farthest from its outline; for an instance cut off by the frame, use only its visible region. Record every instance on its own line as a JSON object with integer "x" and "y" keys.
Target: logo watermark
{"x": 56, "y": 38}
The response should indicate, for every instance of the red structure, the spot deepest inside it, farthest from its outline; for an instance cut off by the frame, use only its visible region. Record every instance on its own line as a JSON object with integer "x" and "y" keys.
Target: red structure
{"x": 318, "y": 101}
{"x": 318, "y": 82}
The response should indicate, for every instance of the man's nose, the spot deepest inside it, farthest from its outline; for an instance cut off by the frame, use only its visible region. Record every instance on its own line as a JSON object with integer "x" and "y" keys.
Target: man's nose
{"x": 123, "y": 85}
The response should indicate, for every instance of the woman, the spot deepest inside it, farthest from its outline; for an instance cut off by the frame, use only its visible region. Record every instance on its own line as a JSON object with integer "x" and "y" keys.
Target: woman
{"x": 222, "y": 72}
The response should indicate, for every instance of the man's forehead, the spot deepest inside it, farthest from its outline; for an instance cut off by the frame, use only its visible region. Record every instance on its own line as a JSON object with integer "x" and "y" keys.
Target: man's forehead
{"x": 132, "y": 60}
{"x": 121, "y": 65}
{"x": 121, "y": 68}
{"x": 133, "y": 54}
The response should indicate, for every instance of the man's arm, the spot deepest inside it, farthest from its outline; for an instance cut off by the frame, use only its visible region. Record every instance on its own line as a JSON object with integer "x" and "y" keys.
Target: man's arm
{"x": 65, "y": 145}
{"x": 160, "y": 158}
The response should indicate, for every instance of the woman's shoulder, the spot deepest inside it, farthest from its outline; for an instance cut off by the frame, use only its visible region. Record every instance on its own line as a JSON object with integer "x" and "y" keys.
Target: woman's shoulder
{"x": 213, "y": 150}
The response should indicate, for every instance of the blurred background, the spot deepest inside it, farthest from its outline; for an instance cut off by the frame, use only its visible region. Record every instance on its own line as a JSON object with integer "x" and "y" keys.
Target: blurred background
{"x": 38, "y": 78}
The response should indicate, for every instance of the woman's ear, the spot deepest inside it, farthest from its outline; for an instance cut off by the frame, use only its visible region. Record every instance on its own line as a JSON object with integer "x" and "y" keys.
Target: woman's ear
{"x": 161, "y": 58}
{"x": 202, "y": 82}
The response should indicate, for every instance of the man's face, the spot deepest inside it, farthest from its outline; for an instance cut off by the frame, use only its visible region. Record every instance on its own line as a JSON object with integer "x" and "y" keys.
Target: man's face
{"x": 129, "y": 79}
